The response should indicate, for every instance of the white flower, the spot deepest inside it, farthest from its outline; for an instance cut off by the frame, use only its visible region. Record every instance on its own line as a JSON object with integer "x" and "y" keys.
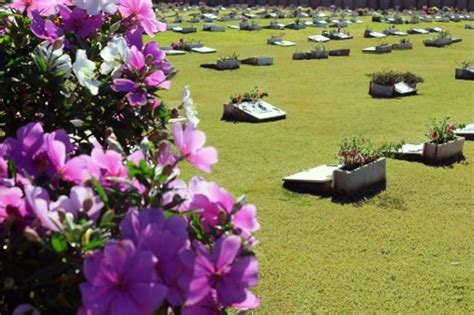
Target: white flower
{"x": 95, "y": 7}
{"x": 56, "y": 59}
{"x": 116, "y": 55}
{"x": 84, "y": 70}
{"x": 191, "y": 113}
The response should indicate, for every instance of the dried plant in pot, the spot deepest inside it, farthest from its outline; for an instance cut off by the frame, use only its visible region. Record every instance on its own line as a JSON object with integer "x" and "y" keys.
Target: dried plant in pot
{"x": 230, "y": 62}
{"x": 363, "y": 167}
{"x": 404, "y": 44}
{"x": 466, "y": 71}
{"x": 443, "y": 146}
{"x": 319, "y": 52}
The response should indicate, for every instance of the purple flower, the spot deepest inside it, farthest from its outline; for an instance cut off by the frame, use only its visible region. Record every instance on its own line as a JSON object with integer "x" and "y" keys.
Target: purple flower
{"x": 121, "y": 280}
{"x": 231, "y": 276}
{"x": 44, "y": 29}
{"x": 219, "y": 207}
{"x": 149, "y": 230}
{"x": 11, "y": 203}
{"x": 79, "y": 22}
{"x": 137, "y": 92}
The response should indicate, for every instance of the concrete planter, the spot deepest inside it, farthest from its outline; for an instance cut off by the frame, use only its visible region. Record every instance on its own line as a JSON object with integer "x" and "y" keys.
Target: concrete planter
{"x": 228, "y": 64}
{"x": 299, "y": 56}
{"x": 319, "y": 54}
{"x": 465, "y": 74}
{"x": 272, "y": 41}
{"x": 340, "y": 52}
{"x": 383, "y": 49}
{"x": 347, "y": 183}
{"x": 440, "y": 42}
{"x": 213, "y": 28}
{"x": 402, "y": 46}
{"x": 189, "y": 47}
{"x": 188, "y": 30}
{"x": 249, "y": 27}
{"x": 443, "y": 153}
{"x": 381, "y": 91}
{"x": 295, "y": 26}
{"x": 258, "y": 61}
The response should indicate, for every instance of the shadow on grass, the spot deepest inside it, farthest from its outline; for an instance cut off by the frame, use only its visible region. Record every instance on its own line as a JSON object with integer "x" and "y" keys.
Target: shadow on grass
{"x": 444, "y": 164}
{"x": 324, "y": 192}
{"x": 213, "y": 66}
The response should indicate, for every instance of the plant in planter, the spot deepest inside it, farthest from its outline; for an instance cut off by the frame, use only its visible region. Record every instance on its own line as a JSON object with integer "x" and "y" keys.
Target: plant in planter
{"x": 275, "y": 38}
{"x": 187, "y": 45}
{"x": 466, "y": 72}
{"x": 405, "y": 43}
{"x": 252, "y": 96}
{"x": 297, "y": 25}
{"x": 363, "y": 166}
{"x": 443, "y": 145}
{"x": 441, "y": 39}
{"x": 228, "y": 62}
{"x": 383, "y": 83}
{"x": 319, "y": 52}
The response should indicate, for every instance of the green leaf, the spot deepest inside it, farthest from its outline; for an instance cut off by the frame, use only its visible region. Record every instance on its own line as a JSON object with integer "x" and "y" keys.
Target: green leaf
{"x": 107, "y": 219}
{"x": 59, "y": 243}
{"x": 100, "y": 190}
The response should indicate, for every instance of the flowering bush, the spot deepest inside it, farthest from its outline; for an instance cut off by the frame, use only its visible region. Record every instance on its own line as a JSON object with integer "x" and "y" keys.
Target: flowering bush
{"x": 253, "y": 95}
{"x": 100, "y": 232}
{"x": 441, "y": 131}
{"x": 82, "y": 66}
{"x": 92, "y": 225}
{"x": 183, "y": 44}
{"x": 356, "y": 152}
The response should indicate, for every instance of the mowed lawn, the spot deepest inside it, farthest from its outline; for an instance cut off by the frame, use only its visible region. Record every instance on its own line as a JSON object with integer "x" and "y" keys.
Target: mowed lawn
{"x": 409, "y": 249}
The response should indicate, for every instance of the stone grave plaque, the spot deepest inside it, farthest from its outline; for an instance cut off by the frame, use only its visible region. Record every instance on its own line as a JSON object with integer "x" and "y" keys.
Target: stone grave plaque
{"x": 259, "y": 111}
{"x": 403, "y": 88}
{"x": 410, "y": 152}
{"x": 316, "y": 180}
{"x": 234, "y": 27}
{"x": 173, "y": 52}
{"x": 377, "y": 35}
{"x": 204, "y": 50}
{"x": 284, "y": 43}
{"x": 369, "y": 50}
{"x": 418, "y": 30}
{"x": 466, "y": 132}
{"x": 399, "y": 33}
{"x": 318, "y": 38}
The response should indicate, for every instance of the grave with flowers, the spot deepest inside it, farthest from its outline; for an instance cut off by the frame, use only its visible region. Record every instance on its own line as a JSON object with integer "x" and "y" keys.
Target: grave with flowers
{"x": 445, "y": 144}
{"x": 391, "y": 83}
{"x": 361, "y": 167}
{"x": 250, "y": 107}
{"x": 94, "y": 217}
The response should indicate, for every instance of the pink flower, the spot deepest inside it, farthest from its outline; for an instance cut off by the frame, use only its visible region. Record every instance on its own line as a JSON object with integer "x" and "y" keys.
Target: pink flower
{"x": 143, "y": 11}
{"x": 190, "y": 143}
{"x": 45, "y": 7}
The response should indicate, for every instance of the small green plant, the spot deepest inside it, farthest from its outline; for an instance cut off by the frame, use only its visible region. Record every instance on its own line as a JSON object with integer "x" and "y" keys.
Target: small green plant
{"x": 442, "y": 130}
{"x": 405, "y": 41}
{"x": 357, "y": 151}
{"x": 442, "y": 34}
{"x": 467, "y": 64}
{"x": 319, "y": 48}
{"x": 252, "y": 95}
{"x": 233, "y": 56}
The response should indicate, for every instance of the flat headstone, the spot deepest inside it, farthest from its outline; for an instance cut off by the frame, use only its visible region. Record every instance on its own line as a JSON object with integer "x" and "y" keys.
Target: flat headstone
{"x": 234, "y": 27}
{"x": 377, "y": 35}
{"x": 318, "y": 38}
{"x": 369, "y": 49}
{"x": 403, "y": 88}
{"x": 399, "y": 33}
{"x": 284, "y": 43}
{"x": 418, "y": 30}
{"x": 177, "y": 29}
{"x": 466, "y": 132}
{"x": 259, "y": 111}
{"x": 316, "y": 180}
{"x": 204, "y": 50}
{"x": 435, "y": 29}
{"x": 173, "y": 52}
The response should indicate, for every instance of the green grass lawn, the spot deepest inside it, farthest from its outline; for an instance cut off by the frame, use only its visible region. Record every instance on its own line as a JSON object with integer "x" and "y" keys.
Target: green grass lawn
{"x": 409, "y": 249}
